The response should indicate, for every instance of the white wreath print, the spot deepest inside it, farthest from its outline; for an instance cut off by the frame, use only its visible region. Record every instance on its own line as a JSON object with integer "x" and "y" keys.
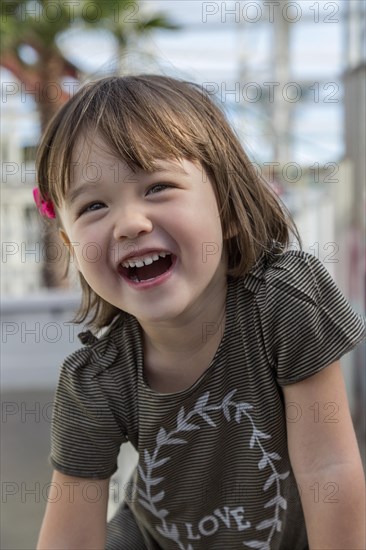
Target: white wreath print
{"x": 201, "y": 409}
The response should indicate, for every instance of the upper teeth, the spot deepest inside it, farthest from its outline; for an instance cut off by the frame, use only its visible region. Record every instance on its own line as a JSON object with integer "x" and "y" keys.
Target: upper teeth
{"x": 146, "y": 260}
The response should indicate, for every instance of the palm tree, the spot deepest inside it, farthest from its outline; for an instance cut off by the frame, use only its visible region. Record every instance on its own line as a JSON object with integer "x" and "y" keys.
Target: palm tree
{"x": 35, "y": 27}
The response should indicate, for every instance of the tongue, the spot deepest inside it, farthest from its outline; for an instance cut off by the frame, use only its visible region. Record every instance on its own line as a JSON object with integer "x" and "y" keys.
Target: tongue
{"x": 154, "y": 269}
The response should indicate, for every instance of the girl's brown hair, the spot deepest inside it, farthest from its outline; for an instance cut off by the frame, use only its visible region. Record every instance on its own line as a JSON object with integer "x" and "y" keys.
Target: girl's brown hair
{"x": 148, "y": 117}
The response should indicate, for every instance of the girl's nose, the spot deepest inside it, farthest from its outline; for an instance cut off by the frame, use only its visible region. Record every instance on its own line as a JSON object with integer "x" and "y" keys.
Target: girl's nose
{"x": 130, "y": 224}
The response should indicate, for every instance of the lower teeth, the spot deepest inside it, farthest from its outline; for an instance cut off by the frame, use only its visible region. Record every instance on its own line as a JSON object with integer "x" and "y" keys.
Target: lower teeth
{"x": 135, "y": 279}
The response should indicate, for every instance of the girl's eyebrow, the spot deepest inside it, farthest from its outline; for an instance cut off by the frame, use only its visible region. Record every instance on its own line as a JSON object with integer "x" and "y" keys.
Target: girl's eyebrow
{"x": 171, "y": 167}
{"x": 74, "y": 193}
{"x": 84, "y": 188}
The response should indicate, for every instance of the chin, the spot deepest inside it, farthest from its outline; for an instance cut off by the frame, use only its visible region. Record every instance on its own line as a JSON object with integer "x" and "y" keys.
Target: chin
{"x": 161, "y": 315}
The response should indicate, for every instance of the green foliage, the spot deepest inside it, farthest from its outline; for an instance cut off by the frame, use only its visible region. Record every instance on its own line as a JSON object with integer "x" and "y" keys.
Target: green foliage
{"x": 38, "y": 23}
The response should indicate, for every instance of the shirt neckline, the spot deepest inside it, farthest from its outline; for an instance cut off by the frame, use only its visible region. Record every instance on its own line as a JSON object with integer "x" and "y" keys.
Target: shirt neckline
{"x": 229, "y": 321}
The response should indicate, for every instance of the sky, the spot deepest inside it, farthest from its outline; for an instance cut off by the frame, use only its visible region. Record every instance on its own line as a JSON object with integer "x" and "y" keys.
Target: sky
{"x": 217, "y": 45}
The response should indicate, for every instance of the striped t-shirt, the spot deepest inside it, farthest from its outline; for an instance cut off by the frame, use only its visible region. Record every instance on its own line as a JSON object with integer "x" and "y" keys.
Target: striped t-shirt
{"x": 214, "y": 471}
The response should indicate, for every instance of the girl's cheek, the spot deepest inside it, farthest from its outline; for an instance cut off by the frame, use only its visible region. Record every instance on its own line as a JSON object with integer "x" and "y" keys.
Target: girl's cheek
{"x": 92, "y": 255}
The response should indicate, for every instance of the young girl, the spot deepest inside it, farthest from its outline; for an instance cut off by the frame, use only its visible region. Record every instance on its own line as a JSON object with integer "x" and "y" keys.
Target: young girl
{"x": 219, "y": 360}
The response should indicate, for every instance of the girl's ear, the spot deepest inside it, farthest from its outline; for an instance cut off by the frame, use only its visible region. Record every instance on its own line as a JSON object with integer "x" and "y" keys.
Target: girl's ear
{"x": 69, "y": 246}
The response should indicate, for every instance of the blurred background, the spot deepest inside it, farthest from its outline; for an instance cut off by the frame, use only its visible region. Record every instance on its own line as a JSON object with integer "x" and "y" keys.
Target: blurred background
{"x": 291, "y": 78}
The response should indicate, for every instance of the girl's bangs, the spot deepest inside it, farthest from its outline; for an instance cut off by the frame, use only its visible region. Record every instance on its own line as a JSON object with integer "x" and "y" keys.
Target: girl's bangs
{"x": 133, "y": 140}
{"x": 140, "y": 142}
{"x": 139, "y": 123}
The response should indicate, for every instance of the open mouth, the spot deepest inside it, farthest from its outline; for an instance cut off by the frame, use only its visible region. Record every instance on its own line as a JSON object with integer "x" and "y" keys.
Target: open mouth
{"x": 147, "y": 272}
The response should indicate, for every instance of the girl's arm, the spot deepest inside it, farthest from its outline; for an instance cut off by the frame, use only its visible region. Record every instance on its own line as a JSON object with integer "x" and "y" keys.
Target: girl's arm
{"x": 76, "y": 514}
{"x": 326, "y": 461}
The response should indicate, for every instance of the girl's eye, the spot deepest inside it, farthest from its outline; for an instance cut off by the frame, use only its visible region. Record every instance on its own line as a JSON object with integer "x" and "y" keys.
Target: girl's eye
{"x": 89, "y": 207}
{"x": 158, "y": 185}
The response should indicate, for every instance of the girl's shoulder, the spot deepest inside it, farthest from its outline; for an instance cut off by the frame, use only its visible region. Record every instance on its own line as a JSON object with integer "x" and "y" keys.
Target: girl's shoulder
{"x": 99, "y": 351}
{"x": 292, "y": 273}
{"x": 306, "y": 322}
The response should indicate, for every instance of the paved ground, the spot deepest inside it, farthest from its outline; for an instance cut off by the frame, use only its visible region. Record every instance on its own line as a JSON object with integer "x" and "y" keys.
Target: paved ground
{"x": 25, "y": 472}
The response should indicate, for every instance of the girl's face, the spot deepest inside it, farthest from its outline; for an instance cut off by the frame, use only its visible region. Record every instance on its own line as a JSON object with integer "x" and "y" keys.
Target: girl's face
{"x": 110, "y": 212}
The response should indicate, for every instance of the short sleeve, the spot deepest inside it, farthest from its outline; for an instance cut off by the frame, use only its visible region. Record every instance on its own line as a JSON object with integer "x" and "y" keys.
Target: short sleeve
{"x": 85, "y": 436}
{"x": 308, "y": 321}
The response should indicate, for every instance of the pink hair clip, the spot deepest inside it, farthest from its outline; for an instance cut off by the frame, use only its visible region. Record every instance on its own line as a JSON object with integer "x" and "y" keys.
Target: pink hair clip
{"x": 45, "y": 208}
